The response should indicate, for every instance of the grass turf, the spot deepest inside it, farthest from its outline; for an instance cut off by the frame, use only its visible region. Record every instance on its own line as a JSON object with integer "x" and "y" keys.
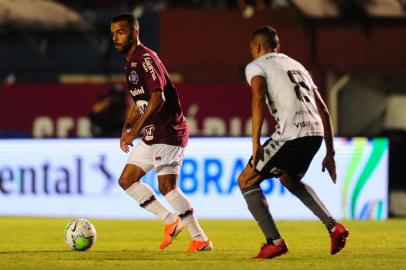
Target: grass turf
{"x": 37, "y": 243}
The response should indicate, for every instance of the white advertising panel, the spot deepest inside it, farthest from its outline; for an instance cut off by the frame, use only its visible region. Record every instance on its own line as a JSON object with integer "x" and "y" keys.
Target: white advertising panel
{"x": 78, "y": 178}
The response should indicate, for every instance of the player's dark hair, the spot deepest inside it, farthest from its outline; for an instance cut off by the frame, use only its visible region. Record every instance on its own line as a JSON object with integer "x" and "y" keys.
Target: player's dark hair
{"x": 129, "y": 18}
{"x": 270, "y": 35}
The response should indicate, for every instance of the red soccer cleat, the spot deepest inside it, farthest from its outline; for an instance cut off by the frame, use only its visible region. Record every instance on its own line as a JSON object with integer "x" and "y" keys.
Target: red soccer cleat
{"x": 338, "y": 238}
{"x": 196, "y": 245}
{"x": 170, "y": 232}
{"x": 269, "y": 251}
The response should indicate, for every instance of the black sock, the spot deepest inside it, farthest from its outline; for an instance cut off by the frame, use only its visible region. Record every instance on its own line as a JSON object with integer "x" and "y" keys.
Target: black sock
{"x": 258, "y": 207}
{"x": 269, "y": 241}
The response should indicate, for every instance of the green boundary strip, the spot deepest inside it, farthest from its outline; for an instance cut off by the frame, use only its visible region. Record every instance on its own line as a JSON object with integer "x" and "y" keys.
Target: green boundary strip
{"x": 379, "y": 210}
{"x": 379, "y": 147}
{"x": 356, "y": 157}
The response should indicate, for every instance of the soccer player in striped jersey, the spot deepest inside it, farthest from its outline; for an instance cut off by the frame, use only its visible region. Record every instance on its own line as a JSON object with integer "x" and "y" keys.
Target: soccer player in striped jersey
{"x": 286, "y": 88}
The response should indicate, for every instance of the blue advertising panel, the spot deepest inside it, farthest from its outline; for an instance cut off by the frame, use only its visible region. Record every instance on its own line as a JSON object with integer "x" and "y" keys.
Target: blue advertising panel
{"x": 78, "y": 178}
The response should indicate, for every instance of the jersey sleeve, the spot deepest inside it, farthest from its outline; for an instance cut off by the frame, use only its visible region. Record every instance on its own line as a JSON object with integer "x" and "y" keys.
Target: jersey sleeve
{"x": 253, "y": 70}
{"x": 152, "y": 77}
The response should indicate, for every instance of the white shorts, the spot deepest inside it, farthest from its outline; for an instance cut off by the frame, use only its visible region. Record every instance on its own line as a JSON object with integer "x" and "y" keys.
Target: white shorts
{"x": 165, "y": 158}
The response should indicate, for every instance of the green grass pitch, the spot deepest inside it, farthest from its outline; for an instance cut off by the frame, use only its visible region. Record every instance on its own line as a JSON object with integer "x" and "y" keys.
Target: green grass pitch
{"x": 37, "y": 243}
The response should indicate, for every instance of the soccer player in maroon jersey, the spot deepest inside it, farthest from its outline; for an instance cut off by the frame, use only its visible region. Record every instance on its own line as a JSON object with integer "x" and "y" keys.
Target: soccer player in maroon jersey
{"x": 158, "y": 115}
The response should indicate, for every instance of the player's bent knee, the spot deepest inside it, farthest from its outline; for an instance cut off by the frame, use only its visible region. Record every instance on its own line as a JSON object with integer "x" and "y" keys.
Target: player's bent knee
{"x": 242, "y": 181}
{"x": 130, "y": 175}
{"x": 166, "y": 187}
{"x": 249, "y": 178}
{"x": 289, "y": 182}
{"x": 167, "y": 182}
{"x": 125, "y": 182}
{"x": 122, "y": 183}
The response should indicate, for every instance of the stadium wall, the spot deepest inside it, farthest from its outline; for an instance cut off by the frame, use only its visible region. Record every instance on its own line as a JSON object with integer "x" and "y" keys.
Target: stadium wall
{"x": 213, "y": 44}
{"x": 61, "y": 110}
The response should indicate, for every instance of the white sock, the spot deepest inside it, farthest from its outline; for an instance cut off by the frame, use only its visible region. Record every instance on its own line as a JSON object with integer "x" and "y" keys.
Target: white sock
{"x": 181, "y": 205}
{"x": 147, "y": 199}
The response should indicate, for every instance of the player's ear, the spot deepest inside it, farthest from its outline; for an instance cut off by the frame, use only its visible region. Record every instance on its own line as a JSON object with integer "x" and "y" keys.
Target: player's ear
{"x": 135, "y": 34}
{"x": 278, "y": 47}
{"x": 258, "y": 47}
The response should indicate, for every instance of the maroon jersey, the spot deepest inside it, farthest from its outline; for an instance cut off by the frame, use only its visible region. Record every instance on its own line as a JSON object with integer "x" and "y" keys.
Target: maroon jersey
{"x": 145, "y": 74}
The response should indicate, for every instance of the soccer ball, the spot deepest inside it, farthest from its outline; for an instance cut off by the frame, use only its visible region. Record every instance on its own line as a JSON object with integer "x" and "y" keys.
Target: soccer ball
{"x": 80, "y": 234}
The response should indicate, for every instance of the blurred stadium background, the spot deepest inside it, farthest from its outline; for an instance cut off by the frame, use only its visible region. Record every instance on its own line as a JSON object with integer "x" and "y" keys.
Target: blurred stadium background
{"x": 61, "y": 78}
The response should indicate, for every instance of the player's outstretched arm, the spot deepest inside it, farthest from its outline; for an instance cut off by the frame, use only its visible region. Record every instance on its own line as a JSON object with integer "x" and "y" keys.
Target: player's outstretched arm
{"x": 258, "y": 87}
{"x": 329, "y": 161}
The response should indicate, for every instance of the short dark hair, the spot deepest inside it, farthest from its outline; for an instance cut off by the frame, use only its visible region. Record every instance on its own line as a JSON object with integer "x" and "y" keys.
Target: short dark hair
{"x": 270, "y": 35}
{"x": 129, "y": 18}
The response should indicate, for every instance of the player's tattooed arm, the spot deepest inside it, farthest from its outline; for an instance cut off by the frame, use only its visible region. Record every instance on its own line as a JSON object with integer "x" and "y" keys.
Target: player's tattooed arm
{"x": 329, "y": 161}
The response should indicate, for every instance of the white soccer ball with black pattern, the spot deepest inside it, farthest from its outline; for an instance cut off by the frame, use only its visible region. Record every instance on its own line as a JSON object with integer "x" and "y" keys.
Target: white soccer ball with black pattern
{"x": 80, "y": 234}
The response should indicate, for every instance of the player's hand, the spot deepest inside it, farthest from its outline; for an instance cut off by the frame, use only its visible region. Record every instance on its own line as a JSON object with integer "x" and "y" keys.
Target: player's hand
{"x": 123, "y": 146}
{"x": 126, "y": 140}
{"x": 258, "y": 154}
{"x": 330, "y": 164}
